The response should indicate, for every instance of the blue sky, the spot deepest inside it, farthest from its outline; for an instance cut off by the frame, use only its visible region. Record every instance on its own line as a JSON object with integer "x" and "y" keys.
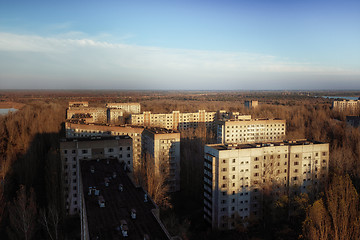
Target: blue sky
{"x": 224, "y": 45}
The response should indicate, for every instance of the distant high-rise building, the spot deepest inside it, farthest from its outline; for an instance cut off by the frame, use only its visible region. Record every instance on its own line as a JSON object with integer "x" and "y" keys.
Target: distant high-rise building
{"x": 351, "y": 106}
{"x": 252, "y": 130}
{"x": 251, "y": 104}
{"x": 183, "y": 121}
{"x": 236, "y": 176}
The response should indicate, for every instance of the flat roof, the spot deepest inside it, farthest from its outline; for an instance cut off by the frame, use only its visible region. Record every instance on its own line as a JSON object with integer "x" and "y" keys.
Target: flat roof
{"x": 119, "y": 137}
{"x": 102, "y": 222}
{"x": 158, "y": 130}
{"x": 233, "y": 146}
{"x": 252, "y": 120}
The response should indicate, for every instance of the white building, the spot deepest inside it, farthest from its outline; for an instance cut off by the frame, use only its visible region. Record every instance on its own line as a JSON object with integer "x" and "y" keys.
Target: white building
{"x": 252, "y": 130}
{"x": 237, "y": 175}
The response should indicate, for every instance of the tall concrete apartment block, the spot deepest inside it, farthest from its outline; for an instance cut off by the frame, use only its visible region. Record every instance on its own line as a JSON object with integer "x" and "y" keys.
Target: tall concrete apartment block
{"x": 155, "y": 138}
{"x": 164, "y": 145}
{"x": 251, "y": 104}
{"x": 112, "y": 113}
{"x": 77, "y": 130}
{"x": 235, "y": 176}
{"x": 352, "y": 106}
{"x": 174, "y": 120}
{"x": 127, "y": 107}
{"x": 252, "y": 130}
{"x": 72, "y": 151}
{"x": 182, "y": 121}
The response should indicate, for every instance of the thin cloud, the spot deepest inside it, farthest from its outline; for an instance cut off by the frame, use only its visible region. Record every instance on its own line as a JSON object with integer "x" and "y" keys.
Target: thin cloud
{"x": 67, "y": 57}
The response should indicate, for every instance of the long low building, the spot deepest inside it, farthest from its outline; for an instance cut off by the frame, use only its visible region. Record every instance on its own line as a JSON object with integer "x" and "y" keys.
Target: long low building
{"x": 250, "y": 130}
{"x": 236, "y": 176}
{"x": 352, "y": 106}
{"x": 182, "y": 121}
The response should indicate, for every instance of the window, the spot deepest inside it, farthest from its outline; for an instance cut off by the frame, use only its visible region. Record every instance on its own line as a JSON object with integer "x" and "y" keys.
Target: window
{"x": 73, "y": 151}
{"x": 224, "y": 177}
{"x": 84, "y": 151}
{"x": 65, "y": 151}
{"x": 224, "y": 161}
{"x": 128, "y": 155}
{"x": 224, "y": 169}
{"x": 111, "y": 149}
{"x": 128, "y": 148}
{"x": 296, "y": 163}
{"x": 324, "y": 153}
{"x": 120, "y": 148}
{"x": 296, "y": 155}
{"x": 234, "y": 160}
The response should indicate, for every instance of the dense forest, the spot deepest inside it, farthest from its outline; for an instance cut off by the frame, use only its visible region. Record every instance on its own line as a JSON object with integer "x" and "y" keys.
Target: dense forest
{"x": 30, "y": 202}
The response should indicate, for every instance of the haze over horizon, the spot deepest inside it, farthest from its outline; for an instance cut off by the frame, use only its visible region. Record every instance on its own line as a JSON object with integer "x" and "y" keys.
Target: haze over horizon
{"x": 210, "y": 45}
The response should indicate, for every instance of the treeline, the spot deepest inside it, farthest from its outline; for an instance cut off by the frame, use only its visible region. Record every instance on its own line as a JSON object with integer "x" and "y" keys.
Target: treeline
{"x": 29, "y": 171}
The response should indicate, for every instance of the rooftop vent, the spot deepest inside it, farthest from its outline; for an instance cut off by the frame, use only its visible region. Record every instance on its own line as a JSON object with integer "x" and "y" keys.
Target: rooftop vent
{"x": 124, "y": 228}
{"x": 101, "y": 201}
{"x": 145, "y": 197}
{"x": 133, "y": 213}
{"x": 107, "y": 181}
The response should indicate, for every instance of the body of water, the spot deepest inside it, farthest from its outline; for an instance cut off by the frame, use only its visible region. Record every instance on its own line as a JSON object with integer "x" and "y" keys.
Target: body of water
{"x": 4, "y": 111}
{"x": 346, "y": 98}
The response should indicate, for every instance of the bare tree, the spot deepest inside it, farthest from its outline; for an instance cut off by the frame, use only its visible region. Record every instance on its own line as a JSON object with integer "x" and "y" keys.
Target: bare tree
{"x": 338, "y": 217}
{"x": 50, "y": 219}
{"x": 156, "y": 180}
{"x": 23, "y": 214}
{"x": 317, "y": 223}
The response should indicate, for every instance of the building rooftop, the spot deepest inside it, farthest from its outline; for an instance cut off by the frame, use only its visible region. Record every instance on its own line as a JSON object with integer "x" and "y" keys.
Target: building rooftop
{"x": 104, "y": 222}
{"x": 120, "y": 137}
{"x": 233, "y": 146}
{"x": 252, "y": 120}
{"x": 158, "y": 130}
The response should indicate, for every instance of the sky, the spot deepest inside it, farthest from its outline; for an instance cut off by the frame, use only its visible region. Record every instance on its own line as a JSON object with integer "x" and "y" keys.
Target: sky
{"x": 180, "y": 45}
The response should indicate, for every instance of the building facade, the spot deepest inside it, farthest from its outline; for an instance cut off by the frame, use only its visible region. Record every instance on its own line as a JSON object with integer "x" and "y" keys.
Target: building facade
{"x": 127, "y": 107}
{"x": 72, "y": 151}
{"x": 252, "y": 130}
{"x": 236, "y": 176}
{"x": 163, "y": 145}
{"x": 182, "y": 121}
{"x": 79, "y": 130}
{"x": 251, "y": 104}
{"x": 352, "y": 106}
